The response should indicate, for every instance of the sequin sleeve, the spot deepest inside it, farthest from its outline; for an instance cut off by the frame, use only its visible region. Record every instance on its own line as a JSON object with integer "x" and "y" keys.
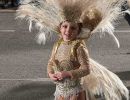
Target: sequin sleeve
{"x": 50, "y": 62}
{"x": 83, "y": 59}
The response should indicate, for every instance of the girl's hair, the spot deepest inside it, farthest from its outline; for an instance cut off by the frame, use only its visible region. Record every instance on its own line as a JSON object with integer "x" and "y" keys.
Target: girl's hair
{"x": 80, "y": 27}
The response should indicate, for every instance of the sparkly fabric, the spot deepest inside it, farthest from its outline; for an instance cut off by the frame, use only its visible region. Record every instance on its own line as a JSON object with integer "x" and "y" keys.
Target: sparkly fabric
{"x": 79, "y": 96}
{"x": 70, "y": 58}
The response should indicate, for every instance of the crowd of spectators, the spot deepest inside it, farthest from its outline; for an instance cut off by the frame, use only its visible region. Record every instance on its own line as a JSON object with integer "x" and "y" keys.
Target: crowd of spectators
{"x": 9, "y": 3}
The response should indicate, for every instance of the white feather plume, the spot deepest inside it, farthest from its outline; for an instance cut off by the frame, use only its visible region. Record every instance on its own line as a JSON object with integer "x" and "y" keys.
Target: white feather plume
{"x": 43, "y": 13}
{"x": 41, "y": 38}
{"x": 103, "y": 82}
{"x": 127, "y": 11}
{"x": 111, "y": 11}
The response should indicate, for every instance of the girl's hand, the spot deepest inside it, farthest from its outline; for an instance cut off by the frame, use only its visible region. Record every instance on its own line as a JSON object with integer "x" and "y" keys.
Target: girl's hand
{"x": 62, "y": 75}
{"x": 53, "y": 77}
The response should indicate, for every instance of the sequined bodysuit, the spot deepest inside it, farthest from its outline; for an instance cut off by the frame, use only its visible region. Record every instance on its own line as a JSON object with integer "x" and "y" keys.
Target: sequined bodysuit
{"x": 69, "y": 56}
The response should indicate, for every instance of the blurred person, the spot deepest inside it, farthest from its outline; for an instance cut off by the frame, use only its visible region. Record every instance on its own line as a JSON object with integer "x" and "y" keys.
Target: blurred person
{"x": 10, "y": 3}
{"x": 5, "y": 4}
{"x": 17, "y": 2}
{"x": 14, "y": 3}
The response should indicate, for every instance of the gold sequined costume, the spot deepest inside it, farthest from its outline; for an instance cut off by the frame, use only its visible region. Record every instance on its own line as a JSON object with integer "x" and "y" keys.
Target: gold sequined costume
{"x": 69, "y": 56}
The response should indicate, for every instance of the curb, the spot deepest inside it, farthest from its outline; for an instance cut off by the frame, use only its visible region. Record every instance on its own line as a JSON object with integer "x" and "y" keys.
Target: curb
{"x": 127, "y": 83}
{"x": 8, "y": 10}
{"x": 48, "y": 80}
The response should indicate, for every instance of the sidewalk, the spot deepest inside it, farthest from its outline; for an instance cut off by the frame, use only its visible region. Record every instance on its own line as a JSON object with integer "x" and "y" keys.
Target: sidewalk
{"x": 27, "y": 90}
{"x": 11, "y": 10}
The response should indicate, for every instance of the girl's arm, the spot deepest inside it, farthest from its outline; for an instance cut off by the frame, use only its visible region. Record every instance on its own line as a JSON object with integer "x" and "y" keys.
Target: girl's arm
{"x": 83, "y": 59}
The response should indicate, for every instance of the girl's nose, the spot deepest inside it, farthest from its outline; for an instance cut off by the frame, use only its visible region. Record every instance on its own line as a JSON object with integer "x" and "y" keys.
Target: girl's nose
{"x": 68, "y": 29}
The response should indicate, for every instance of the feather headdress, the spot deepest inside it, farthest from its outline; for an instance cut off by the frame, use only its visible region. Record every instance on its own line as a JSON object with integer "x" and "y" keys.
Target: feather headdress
{"x": 95, "y": 15}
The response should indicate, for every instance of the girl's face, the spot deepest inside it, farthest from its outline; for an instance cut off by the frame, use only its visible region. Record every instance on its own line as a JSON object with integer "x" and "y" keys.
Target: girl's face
{"x": 69, "y": 31}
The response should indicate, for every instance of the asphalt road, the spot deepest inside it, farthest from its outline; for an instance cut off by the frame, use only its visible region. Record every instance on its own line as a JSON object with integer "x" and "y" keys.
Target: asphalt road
{"x": 23, "y": 61}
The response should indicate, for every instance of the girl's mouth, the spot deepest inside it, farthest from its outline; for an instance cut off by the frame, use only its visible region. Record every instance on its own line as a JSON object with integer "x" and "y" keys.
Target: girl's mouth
{"x": 68, "y": 35}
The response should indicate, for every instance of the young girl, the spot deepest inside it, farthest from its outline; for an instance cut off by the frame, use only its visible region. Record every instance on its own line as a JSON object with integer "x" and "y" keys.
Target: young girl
{"x": 68, "y": 63}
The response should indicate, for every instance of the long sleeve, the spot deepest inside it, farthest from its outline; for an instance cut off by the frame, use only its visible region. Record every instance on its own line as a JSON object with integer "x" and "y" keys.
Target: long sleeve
{"x": 83, "y": 59}
{"x": 51, "y": 62}
{"x": 49, "y": 67}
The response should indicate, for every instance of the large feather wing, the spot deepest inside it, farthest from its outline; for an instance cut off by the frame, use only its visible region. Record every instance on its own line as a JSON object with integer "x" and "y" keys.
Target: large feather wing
{"x": 103, "y": 82}
{"x": 44, "y": 13}
{"x": 110, "y": 12}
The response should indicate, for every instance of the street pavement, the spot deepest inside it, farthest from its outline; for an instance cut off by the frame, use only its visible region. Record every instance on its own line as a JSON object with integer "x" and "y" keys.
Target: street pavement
{"x": 23, "y": 62}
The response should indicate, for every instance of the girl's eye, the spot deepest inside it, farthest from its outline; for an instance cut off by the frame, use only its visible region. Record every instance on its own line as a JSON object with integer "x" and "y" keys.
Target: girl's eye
{"x": 65, "y": 26}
